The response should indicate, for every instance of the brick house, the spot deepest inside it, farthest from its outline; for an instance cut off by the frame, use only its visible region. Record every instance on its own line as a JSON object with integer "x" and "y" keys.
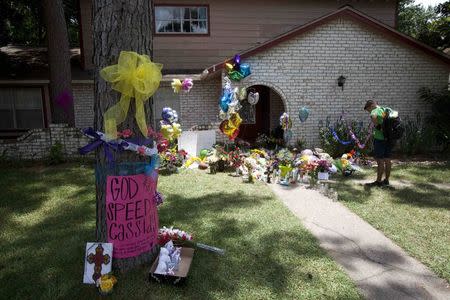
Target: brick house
{"x": 296, "y": 50}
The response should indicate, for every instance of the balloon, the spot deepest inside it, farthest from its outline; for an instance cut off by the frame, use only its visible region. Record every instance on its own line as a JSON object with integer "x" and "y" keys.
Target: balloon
{"x": 303, "y": 114}
{"x": 235, "y": 75}
{"x": 285, "y": 121}
{"x": 229, "y": 67}
{"x": 171, "y": 131}
{"x": 222, "y": 115}
{"x": 253, "y": 98}
{"x": 176, "y": 85}
{"x": 231, "y": 127}
{"x": 225, "y": 100}
{"x": 242, "y": 94}
{"x": 237, "y": 59}
{"x": 176, "y": 128}
{"x": 245, "y": 70}
{"x": 204, "y": 153}
{"x": 187, "y": 84}
{"x": 169, "y": 115}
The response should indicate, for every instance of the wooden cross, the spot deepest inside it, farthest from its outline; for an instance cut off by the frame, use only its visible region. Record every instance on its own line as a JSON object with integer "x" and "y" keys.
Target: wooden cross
{"x": 98, "y": 259}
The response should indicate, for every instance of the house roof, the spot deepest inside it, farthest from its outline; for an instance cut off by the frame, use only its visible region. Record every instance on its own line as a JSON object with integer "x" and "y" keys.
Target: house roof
{"x": 348, "y": 12}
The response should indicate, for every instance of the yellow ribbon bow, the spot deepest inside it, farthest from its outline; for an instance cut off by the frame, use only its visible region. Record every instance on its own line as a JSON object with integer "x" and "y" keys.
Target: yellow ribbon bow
{"x": 134, "y": 76}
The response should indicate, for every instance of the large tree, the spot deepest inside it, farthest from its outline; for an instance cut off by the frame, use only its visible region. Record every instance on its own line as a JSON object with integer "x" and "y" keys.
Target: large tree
{"x": 58, "y": 60}
{"x": 430, "y": 25}
{"x": 118, "y": 25}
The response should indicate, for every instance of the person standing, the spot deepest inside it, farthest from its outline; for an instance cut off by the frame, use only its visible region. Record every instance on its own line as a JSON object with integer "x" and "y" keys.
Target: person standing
{"x": 382, "y": 145}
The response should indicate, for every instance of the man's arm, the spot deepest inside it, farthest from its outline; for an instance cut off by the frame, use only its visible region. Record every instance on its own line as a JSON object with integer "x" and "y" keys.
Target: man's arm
{"x": 375, "y": 122}
{"x": 374, "y": 119}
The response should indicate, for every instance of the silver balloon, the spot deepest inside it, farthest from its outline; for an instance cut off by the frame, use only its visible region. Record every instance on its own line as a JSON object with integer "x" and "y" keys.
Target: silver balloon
{"x": 253, "y": 98}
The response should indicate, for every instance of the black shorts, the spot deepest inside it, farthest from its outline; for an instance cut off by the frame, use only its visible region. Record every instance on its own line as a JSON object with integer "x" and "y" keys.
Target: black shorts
{"x": 381, "y": 149}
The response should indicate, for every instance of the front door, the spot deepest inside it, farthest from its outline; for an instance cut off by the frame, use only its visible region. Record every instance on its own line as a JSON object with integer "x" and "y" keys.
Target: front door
{"x": 255, "y": 118}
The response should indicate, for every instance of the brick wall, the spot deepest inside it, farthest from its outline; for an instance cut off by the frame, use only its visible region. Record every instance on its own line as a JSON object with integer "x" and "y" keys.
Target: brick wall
{"x": 36, "y": 143}
{"x": 83, "y": 95}
{"x": 200, "y": 106}
{"x": 304, "y": 72}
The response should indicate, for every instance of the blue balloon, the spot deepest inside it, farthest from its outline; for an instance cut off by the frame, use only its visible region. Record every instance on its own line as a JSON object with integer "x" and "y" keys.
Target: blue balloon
{"x": 225, "y": 100}
{"x": 245, "y": 70}
{"x": 303, "y": 114}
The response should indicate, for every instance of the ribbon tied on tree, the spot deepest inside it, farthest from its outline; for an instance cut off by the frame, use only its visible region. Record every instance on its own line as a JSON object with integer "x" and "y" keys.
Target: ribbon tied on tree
{"x": 134, "y": 76}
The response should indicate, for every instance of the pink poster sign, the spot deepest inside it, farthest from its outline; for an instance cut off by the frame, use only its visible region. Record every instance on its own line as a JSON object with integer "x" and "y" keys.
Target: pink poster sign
{"x": 131, "y": 214}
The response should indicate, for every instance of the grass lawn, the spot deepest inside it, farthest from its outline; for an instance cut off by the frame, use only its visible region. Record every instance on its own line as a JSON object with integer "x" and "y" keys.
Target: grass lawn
{"x": 47, "y": 214}
{"x": 415, "y": 212}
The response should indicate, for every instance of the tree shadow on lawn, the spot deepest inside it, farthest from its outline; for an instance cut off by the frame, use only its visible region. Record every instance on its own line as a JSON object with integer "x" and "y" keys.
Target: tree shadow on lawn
{"x": 419, "y": 194}
{"x": 350, "y": 252}
{"x": 422, "y": 195}
{"x": 45, "y": 260}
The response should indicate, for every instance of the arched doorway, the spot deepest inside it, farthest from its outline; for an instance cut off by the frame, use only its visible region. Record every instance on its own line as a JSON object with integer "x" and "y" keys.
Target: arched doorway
{"x": 262, "y": 118}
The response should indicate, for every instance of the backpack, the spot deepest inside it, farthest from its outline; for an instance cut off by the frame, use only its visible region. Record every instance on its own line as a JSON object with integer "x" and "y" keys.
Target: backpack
{"x": 393, "y": 128}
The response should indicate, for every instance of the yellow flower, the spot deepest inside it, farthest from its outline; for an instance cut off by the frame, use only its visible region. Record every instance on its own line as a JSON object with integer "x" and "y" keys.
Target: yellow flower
{"x": 106, "y": 285}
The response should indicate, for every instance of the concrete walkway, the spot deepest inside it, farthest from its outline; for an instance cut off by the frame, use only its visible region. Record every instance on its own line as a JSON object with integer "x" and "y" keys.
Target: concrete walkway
{"x": 380, "y": 268}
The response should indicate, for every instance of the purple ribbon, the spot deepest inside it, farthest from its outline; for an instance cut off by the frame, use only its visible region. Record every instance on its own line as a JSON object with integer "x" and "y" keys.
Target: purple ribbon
{"x": 97, "y": 142}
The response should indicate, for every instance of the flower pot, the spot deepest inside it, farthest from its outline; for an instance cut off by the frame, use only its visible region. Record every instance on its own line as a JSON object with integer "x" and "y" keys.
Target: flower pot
{"x": 323, "y": 175}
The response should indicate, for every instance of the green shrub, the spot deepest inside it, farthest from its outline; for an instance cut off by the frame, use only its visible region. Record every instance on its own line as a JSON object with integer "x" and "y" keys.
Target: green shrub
{"x": 300, "y": 144}
{"x": 56, "y": 155}
{"x": 418, "y": 137}
{"x": 439, "y": 119}
{"x": 330, "y": 145}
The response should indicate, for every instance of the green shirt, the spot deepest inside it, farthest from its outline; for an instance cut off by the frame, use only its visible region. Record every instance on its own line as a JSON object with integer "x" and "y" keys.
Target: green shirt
{"x": 379, "y": 113}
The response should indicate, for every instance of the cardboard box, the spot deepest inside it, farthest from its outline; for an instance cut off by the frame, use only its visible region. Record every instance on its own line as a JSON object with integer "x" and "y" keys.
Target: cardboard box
{"x": 180, "y": 276}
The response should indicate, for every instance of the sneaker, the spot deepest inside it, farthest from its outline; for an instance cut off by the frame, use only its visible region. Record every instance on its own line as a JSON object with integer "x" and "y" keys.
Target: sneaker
{"x": 375, "y": 184}
{"x": 385, "y": 182}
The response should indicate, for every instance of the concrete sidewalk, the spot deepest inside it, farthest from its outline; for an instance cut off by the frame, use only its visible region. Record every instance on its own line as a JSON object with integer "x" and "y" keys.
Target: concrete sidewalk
{"x": 380, "y": 268}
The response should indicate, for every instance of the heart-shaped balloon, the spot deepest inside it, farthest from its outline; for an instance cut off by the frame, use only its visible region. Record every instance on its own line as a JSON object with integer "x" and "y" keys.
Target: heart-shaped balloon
{"x": 303, "y": 114}
{"x": 230, "y": 127}
{"x": 253, "y": 98}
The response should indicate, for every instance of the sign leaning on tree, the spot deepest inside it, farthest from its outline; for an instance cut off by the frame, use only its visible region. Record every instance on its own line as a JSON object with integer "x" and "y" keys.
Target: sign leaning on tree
{"x": 125, "y": 182}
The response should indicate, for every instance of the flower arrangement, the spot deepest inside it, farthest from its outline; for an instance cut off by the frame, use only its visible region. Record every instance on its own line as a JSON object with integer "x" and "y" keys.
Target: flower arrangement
{"x": 172, "y": 234}
{"x": 235, "y": 158}
{"x": 285, "y": 157}
{"x": 323, "y": 166}
{"x": 172, "y": 159}
{"x": 105, "y": 284}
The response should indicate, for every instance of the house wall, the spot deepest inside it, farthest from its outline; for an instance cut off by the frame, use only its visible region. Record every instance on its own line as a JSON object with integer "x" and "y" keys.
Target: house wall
{"x": 83, "y": 96}
{"x": 304, "y": 72}
{"x": 36, "y": 143}
{"x": 236, "y": 26}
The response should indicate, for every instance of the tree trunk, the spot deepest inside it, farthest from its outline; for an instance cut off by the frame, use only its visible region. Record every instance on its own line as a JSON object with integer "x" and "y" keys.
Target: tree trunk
{"x": 58, "y": 60}
{"x": 118, "y": 26}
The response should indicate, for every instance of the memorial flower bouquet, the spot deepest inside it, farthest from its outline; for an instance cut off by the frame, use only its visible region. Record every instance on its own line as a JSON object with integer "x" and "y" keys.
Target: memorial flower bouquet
{"x": 323, "y": 166}
{"x": 235, "y": 158}
{"x": 171, "y": 159}
{"x": 173, "y": 234}
{"x": 285, "y": 157}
